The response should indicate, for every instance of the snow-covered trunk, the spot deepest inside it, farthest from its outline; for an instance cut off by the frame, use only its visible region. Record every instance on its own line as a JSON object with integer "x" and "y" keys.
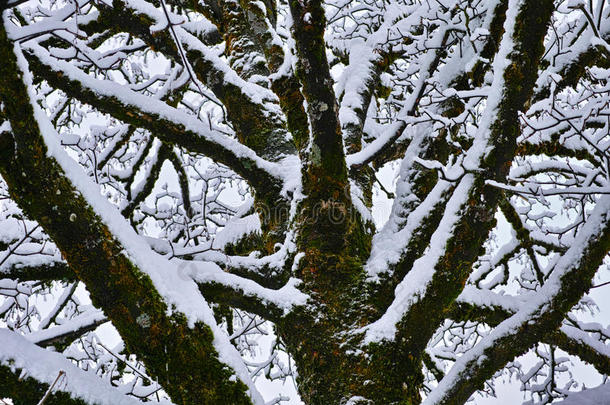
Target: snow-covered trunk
{"x": 334, "y": 245}
{"x": 332, "y": 242}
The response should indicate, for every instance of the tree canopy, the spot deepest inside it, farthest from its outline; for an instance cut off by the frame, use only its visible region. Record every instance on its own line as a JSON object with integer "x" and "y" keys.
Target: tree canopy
{"x": 196, "y": 177}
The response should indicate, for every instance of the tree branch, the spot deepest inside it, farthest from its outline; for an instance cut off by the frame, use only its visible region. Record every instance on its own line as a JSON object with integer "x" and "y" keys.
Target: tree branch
{"x": 27, "y": 371}
{"x": 326, "y": 166}
{"x": 127, "y": 295}
{"x": 493, "y": 309}
{"x": 418, "y": 309}
{"x": 181, "y": 129}
{"x": 44, "y": 272}
{"x": 258, "y": 123}
{"x": 61, "y": 336}
{"x": 570, "y": 279}
{"x": 580, "y": 344}
{"x": 234, "y": 290}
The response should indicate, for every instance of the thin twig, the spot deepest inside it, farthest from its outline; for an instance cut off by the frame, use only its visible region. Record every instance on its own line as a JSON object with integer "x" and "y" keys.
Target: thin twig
{"x": 46, "y": 395}
{"x": 187, "y": 65}
{"x": 601, "y": 285}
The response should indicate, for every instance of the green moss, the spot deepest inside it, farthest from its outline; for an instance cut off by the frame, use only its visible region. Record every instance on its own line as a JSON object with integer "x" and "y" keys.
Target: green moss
{"x": 28, "y": 391}
{"x": 245, "y": 245}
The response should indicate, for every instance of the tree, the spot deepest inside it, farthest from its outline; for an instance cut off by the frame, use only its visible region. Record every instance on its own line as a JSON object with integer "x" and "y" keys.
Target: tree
{"x": 206, "y": 169}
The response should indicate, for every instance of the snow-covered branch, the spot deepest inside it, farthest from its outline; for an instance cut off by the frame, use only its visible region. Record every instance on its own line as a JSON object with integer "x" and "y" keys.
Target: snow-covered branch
{"x": 543, "y": 312}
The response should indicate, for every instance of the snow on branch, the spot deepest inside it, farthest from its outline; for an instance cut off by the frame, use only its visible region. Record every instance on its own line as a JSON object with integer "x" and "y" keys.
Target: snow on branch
{"x": 173, "y": 125}
{"x": 29, "y": 360}
{"x": 543, "y": 312}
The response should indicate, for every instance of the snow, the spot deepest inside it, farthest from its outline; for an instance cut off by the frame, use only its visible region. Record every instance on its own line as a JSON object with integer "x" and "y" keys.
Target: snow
{"x": 592, "y": 396}
{"x": 389, "y": 135}
{"x": 286, "y": 170}
{"x": 236, "y": 228}
{"x": 488, "y": 299}
{"x": 358, "y": 202}
{"x": 415, "y": 283}
{"x": 285, "y": 298}
{"x": 43, "y": 365}
{"x": 353, "y": 81}
{"x": 63, "y": 298}
{"x": 88, "y": 318}
{"x": 535, "y": 189}
{"x": 392, "y": 239}
{"x": 394, "y": 130}
{"x": 254, "y": 92}
{"x": 586, "y": 339}
{"x": 363, "y": 56}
